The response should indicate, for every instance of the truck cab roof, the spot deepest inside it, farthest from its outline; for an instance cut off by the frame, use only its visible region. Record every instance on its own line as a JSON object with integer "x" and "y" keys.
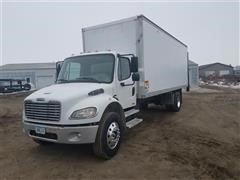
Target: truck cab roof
{"x": 93, "y": 53}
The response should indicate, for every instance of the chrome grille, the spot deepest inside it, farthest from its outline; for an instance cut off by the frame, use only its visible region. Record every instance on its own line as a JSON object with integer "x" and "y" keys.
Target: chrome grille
{"x": 49, "y": 111}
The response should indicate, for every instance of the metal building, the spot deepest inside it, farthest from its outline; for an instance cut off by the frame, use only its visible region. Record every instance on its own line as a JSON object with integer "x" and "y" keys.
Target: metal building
{"x": 193, "y": 74}
{"x": 39, "y": 74}
{"x": 215, "y": 70}
{"x": 237, "y": 70}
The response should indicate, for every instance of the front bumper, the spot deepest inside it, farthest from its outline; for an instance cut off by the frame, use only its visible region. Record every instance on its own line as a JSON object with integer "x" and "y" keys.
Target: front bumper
{"x": 62, "y": 134}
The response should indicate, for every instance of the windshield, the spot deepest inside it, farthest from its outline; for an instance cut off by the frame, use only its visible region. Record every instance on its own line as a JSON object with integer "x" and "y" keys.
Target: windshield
{"x": 89, "y": 68}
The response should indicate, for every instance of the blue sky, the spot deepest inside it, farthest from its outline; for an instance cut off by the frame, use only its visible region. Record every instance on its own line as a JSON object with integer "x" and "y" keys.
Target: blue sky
{"x": 51, "y": 31}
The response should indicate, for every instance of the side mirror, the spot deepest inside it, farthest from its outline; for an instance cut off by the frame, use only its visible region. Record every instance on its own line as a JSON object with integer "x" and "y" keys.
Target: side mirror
{"x": 134, "y": 64}
{"x": 135, "y": 77}
{"x": 58, "y": 68}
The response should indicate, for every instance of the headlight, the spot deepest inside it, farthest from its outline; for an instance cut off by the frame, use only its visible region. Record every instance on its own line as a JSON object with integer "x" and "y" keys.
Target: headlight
{"x": 85, "y": 113}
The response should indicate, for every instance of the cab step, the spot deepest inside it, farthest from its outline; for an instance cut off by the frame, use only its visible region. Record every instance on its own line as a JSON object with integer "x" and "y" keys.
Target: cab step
{"x": 133, "y": 122}
{"x": 131, "y": 112}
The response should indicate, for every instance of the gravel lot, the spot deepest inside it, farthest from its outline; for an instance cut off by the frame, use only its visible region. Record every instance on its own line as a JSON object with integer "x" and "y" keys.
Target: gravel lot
{"x": 202, "y": 141}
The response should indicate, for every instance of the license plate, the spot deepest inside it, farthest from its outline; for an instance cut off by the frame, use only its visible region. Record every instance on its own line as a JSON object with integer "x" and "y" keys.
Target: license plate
{"x": 40, "y": 130}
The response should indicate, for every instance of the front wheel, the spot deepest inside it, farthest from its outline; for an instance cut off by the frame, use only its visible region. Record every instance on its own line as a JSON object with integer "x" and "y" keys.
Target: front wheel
{"x": 109, "y": 136}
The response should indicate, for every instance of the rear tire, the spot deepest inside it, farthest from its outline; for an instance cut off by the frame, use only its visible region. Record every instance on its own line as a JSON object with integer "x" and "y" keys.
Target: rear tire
{"x": 177, "y": 102}
{"x": 109, "y": 136}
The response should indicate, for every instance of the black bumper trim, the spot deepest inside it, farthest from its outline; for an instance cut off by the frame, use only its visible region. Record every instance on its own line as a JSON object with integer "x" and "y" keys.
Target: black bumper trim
{"x": 63, "y": 125}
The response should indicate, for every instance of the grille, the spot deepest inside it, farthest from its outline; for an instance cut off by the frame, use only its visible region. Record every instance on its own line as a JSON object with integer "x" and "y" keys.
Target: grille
{"x": 43, "y": 111}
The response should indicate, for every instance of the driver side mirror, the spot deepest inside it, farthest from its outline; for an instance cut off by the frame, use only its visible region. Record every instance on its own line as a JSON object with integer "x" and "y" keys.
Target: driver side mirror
{"x": 135, "y": 76}
{"x": 134, "y": 64}
{"x": 58, "y": 68}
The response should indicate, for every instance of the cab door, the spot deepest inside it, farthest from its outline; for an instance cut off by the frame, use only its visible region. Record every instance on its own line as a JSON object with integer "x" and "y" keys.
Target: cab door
{"x": 126, "y": 88}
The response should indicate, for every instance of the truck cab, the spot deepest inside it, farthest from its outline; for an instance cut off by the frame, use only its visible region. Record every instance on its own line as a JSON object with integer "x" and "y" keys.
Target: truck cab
{"x": 90, "y": 102}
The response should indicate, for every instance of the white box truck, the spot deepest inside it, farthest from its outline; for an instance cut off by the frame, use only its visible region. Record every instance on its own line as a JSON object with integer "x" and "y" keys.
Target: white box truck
{"x": 126, "y": 65}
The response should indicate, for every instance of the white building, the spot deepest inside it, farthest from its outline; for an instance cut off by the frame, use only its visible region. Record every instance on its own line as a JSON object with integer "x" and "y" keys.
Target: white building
{"x": 193, "y": 74}
{"x": 39, "y": 74}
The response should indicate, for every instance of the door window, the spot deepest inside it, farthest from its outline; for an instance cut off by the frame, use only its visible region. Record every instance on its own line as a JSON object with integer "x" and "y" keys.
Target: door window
{"x": 123, "y": 69}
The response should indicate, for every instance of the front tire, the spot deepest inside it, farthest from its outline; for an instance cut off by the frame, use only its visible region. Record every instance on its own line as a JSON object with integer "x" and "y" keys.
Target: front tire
{"x": 109, "y": 136}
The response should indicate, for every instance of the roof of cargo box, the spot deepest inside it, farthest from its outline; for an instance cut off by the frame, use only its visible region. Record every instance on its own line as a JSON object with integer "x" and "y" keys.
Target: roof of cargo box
{"x": 131, "y": 19}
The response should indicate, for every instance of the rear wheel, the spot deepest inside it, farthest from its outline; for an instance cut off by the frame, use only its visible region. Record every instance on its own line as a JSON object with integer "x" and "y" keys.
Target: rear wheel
{"x": 109, "y": 136}
{"x": 177, "y": 102}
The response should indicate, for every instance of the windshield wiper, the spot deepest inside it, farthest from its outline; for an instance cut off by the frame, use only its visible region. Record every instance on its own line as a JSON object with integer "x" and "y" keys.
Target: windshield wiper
{"x": 62, "y": 80}
{"x": 81, "y": 79}
{"x": 88, "y": 79}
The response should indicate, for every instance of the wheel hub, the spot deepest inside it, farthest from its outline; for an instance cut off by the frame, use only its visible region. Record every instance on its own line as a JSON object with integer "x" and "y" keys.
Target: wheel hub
{"x": 178, "y": 102}
{"x": 113, "y": 135}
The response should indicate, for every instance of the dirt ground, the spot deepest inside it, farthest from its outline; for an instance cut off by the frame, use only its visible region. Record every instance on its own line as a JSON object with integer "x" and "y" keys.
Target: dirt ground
{"x": 202, "y": 141}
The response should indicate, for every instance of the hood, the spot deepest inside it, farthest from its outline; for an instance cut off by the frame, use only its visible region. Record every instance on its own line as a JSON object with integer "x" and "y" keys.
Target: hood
{"x": 68, "y": 91}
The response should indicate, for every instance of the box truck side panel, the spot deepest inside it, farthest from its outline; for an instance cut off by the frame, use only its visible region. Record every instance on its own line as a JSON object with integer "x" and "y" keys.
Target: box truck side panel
{"x": 120, "y": 37}
{"x": 165, "y": 61}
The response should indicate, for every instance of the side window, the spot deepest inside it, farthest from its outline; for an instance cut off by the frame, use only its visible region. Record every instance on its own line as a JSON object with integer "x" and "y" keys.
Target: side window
{"x": 123, "y": 69}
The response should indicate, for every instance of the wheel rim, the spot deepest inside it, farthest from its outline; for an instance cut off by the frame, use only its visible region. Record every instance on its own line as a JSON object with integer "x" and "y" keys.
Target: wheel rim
{"x": 178, "y": 102}
{"x": 113, "y": 135}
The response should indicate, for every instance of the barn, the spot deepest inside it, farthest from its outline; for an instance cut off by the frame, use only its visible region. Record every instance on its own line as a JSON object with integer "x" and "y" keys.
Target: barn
{"x": 39, "y": 74}
{"x": 215, "y": 70}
